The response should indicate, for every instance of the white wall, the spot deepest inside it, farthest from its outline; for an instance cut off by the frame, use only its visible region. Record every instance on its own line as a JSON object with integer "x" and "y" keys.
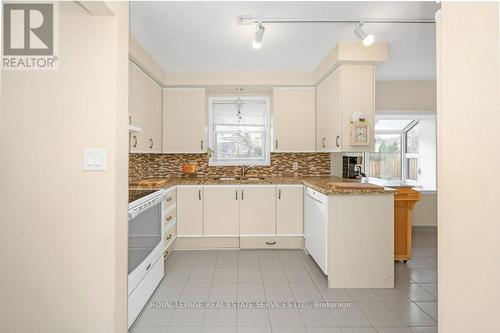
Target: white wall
{"x": 63, "y": 240}
{"x": 468, "y": 145}
{"x": 405, "y": 96}
{"x": 425, "y": 211}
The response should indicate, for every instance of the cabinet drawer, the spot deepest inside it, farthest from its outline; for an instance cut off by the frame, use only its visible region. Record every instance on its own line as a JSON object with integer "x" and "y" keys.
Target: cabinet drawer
{"x": 169, "y": 235}
{"x": 271, "y": 242}
{"x": 169, "y": 217}
{"x": 170, "y": 200}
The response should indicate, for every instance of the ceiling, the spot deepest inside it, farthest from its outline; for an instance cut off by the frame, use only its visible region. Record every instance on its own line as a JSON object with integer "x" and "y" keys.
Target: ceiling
{"x": 205, "y": 36}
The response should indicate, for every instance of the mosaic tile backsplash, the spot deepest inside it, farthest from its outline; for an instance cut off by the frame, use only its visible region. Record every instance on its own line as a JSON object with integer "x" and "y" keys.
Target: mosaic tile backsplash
{"x": 170, "y": 165}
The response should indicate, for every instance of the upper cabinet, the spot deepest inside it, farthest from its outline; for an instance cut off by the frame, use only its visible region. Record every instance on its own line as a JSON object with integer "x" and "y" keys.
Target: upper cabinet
{"x": 184, "y": 120}
{"x": 145, "y": 112}
{"x": 349, "y": 90}
{"x": 328, "y": 113}
{"x": 293, "y": 119}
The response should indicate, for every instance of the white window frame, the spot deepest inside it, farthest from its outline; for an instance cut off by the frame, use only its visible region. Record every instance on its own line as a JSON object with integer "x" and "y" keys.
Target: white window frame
{"x": 267, "y": 137}
{"x": 416, "y": 117}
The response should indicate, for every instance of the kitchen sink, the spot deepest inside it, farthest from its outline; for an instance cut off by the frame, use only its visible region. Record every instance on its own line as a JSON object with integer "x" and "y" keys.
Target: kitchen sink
{"x": 239, "y": 178}
{"x": 227, "y": 178}
{"x": 254, "y": 178}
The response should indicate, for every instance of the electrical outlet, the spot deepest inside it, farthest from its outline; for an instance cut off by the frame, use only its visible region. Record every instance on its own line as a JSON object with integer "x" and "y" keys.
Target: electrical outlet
{"x": 295, "y": 166}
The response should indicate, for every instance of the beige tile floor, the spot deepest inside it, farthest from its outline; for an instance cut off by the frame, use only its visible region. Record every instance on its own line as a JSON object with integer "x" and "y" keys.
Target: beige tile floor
{"x": 290, "y": 275}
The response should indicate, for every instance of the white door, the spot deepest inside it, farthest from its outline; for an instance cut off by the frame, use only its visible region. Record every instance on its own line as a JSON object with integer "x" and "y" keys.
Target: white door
{"x": 289, "y": 210}
{"x": 221, "y": 211}
{"x": 189, "y": 211}
{"x": 258, "y": 210}
{"x": 184, "y": 120}
{"x": 155, "y": 117}
{"x": 139, "y": 110}
{"x": 328, "y": 113}
{"x": 294, "y": 119}
{"x": 316, "y": 231}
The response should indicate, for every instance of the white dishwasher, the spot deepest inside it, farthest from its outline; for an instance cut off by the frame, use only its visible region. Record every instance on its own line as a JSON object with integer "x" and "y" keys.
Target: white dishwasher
{"x": 316, "y": 227}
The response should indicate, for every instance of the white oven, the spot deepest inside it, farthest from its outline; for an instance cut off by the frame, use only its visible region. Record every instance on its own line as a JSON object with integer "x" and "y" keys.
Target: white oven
{"x": 145, "y": 248}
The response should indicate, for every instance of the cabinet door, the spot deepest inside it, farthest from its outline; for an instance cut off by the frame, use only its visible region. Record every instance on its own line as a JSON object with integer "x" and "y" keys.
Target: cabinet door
{"x": 294, "y": 119}
{"x": 328, "y": 113}
{"x": 258, "y": 210}
{"x": 221, "y": 211}
{"x": 290, "y": 210}
{"x": 139, "y": 105}
{"x": 190, "y": 211}
{"x": 155, "y": 117}
{"x": 184, "y": 120}
{"x": 358, "y": 95}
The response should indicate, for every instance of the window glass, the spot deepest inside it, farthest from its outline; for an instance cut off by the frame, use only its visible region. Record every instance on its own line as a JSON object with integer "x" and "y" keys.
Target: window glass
{"x": 412, "y": 146}
{"x": 239, "y": 131}
{"x": 385, "y": 162}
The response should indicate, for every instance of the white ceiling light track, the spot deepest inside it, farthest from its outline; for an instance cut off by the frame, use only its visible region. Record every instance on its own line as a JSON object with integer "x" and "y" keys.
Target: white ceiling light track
{"x": 367, "y": 39}
{"x": 245, "y": 20}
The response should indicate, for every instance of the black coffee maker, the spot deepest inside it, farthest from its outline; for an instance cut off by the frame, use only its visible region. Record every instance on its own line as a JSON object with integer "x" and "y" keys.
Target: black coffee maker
{"x": 351, "y": 167}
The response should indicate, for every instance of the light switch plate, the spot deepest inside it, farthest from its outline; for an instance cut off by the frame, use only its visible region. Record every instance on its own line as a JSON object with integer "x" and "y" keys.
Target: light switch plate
{"x": 94, "y": 159}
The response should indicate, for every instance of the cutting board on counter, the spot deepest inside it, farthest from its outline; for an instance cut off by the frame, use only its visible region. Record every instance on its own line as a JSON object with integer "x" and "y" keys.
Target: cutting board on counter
{"x": 355, "y": 186}
{"x": 149, "y": 182}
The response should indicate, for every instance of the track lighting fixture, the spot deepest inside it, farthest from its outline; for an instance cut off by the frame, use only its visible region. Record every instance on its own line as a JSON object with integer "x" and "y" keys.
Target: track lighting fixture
{"x": 259, "y": 33}
{"x": 366, "y": 38}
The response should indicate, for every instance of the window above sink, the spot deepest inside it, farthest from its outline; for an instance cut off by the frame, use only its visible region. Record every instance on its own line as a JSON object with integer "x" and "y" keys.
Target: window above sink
{"x": 239, "y": 130}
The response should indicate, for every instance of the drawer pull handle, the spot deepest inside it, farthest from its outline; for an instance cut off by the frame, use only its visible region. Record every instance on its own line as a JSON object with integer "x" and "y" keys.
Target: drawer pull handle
{"x": 165, "y": 254}
{"x": 169, "y": 218}
{"x": 270, "y": 243}
{"x": 149, "y": 266}
{"x": 323, "y": 143}
{"x": 169, "y": 236}
{"x": 169, "y": 198}
{"x": 135, "y": 141}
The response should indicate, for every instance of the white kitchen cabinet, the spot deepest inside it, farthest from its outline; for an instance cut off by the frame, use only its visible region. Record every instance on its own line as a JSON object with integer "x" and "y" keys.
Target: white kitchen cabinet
{"x": 258, "y": 210}
{"x": 145, "y": 112}
{"x": 328, "y": 113}
{"x": 184, "y": 120}
{"x": 289, "y": 210}
{"x": 190, "y": 211}
{"x": 294, "y": 119}
{"x": 221, "y": 211}
{"x": 349, "y": 89}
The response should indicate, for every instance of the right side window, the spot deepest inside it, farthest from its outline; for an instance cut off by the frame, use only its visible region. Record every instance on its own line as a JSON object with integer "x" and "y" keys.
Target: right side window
{"x": 405, "y": 149}
{"x": 411, "y": 154}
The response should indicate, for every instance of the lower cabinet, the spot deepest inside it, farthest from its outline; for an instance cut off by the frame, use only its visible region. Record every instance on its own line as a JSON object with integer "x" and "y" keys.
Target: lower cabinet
{"x": 258, "y": 210}
{"x": 248, "y": 216}
{"x": 289, "y": 210}
{"x": 221, "y": 211}
{"x": 190, "y": 211}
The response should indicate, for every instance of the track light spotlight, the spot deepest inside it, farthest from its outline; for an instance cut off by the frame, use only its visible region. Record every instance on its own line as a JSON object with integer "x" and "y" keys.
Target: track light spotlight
{"x": 259, "y": 33}
{"x": 366, "y": 39}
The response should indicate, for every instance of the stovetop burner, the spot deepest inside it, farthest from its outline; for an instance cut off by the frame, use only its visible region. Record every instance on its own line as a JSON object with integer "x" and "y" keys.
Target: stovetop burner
{"x": 134, "y": 195}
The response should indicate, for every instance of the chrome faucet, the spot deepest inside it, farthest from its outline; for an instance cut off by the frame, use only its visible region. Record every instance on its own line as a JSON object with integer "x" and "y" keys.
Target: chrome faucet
{"x": 244, "y": 170}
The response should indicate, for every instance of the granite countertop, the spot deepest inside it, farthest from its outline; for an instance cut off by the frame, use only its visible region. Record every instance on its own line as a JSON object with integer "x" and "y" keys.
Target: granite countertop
{"x": 328, "y": 185}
